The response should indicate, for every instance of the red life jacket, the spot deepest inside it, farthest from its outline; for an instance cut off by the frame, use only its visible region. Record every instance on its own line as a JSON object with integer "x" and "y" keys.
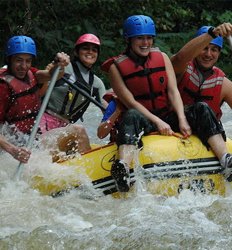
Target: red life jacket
{"x": 193, "y": 89}
{"x": 24, "y": 101}
{"x": 148, "y": 84}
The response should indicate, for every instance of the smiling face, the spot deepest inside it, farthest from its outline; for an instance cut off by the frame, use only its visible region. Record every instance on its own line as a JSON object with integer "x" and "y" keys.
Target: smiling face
{"x": 20, "y": 64}
{"x": 141, "y": 45}
{"x": 208, "y": 57}
{"x": 87, "y": 54}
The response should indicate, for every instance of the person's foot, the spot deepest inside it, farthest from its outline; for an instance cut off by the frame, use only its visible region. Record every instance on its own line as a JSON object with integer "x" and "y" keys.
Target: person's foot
{"x": 227, "y": 171}
{"x": 121, "y": 175}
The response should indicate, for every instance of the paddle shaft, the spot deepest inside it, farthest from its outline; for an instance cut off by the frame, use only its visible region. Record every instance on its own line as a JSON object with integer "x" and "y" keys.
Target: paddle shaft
{"x": 230, "y": 41}
{"x": 39, "y": 116}
{"x": 84, "y": 93}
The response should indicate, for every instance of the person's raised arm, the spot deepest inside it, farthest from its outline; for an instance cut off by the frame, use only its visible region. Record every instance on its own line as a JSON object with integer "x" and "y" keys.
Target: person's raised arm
{"x": 188, "y": 52}
{"x": 193, "y": 48}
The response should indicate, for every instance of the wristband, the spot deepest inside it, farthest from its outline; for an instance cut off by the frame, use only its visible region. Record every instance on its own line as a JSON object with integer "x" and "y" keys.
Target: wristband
{"x": 210, "y": 32}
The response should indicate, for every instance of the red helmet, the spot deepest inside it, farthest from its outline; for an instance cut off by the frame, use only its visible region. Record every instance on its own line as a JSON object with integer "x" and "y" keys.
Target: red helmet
{"x": 88, "y": 38}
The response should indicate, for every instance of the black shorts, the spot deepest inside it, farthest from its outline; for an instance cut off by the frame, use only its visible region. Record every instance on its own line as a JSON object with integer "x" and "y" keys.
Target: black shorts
{"x": 202, "y": 121}
{"x": 201, "y": 118}
{"x": 132, "y": 126}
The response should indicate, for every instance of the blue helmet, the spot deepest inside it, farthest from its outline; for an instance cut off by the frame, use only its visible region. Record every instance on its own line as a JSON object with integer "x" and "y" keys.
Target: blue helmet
{"x": 138, "y": 25}
{"x": 20, "y": 45}
{"x": 216, "y": 41}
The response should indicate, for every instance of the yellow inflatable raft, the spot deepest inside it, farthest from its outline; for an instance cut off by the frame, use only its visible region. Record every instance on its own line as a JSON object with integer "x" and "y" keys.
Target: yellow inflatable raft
{"x": 166, "y": 164}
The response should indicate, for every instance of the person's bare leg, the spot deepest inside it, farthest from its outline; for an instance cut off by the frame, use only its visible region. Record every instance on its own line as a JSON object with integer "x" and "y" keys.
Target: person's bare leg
{"x": 74, "y": 138}
{"x": 120, "y": 170}
{"x": 83, "y": 140}
{"x": 218, "y": 145}
{"x": 126, "y": 153}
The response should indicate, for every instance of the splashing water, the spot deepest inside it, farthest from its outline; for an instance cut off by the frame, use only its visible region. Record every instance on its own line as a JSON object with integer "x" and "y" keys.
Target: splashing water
{"x": 84, "y": 219}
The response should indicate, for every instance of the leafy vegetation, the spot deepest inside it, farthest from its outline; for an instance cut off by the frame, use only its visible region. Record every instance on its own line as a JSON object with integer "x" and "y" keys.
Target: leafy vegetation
{"x": 56, "y": 24}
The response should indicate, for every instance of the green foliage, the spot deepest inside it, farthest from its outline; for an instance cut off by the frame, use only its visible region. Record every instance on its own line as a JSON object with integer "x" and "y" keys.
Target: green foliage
{"x": 56, "y": 24}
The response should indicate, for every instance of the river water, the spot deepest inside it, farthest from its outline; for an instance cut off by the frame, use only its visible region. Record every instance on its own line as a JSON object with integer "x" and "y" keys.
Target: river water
{"x": 84, "y": 219}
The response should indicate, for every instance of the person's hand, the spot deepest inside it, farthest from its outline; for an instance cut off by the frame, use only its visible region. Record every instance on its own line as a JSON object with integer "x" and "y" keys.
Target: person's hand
{"x": 185, "y": 129}
{"x": 223, "y": 30}
{"x": 164, "y": 128}
{"x": 19, "y": 153}
{"x": 62, "y": 59}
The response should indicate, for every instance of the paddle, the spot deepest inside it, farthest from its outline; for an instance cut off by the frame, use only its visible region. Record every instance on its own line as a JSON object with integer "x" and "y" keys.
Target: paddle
{"x": 39, "y": 116}
{"x": 230, "y": 41}
{"x": 84, "y": 93}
